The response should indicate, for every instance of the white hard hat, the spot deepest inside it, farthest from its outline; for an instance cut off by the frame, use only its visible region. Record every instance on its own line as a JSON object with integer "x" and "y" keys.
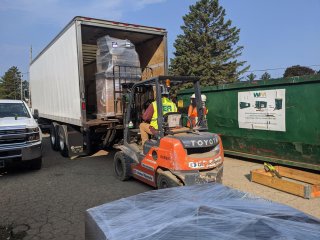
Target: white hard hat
{"x": 203, "y": 98}
{"x": 193, "y": 96}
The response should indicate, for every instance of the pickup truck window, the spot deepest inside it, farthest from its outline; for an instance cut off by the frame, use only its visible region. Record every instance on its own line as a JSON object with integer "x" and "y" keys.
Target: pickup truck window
{"x": 13, "y": 110}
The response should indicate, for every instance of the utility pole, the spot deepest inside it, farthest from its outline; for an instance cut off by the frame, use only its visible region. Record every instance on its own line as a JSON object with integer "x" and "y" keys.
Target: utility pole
{"x": 29, "y": 95}
{"x": 21, "y": 86}
{"x": 15, "y": 87}
{"x": 30, "y": 54}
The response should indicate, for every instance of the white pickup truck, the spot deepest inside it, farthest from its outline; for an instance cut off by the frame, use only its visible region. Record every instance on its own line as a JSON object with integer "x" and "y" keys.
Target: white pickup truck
{"x": 20, "y": 136}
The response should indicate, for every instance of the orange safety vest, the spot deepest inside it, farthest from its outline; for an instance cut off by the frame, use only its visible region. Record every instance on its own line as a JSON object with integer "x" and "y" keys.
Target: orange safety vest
{"x": 193, "y": 114}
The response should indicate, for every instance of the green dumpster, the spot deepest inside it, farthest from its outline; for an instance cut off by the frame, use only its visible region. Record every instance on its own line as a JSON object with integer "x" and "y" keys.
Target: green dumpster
{"x": 274, "y": 120}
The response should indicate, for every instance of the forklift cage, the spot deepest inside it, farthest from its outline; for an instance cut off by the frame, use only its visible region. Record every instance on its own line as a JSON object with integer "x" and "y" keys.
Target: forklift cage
{"x": 161, "y": 81}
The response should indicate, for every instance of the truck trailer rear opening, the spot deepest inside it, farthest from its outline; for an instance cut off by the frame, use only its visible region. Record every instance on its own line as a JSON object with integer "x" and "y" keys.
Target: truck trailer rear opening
{"x": 63, "y": 81}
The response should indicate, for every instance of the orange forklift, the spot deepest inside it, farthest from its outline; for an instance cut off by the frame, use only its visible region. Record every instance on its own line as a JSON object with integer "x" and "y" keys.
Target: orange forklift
{"x": 180, "y": 153}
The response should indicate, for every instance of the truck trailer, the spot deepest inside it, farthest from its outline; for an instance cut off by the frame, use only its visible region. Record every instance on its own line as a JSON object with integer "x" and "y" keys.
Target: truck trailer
{"x": 64, "y": 78}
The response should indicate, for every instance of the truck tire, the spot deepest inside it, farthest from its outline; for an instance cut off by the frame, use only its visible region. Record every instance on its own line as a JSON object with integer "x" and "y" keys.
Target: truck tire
{"x": 63, "y": 141}
{"x": 165, "y": 182}
{"x": 35, "y": 164}
{"x": 122, "y": 166}
{"x": 54, "y": 136}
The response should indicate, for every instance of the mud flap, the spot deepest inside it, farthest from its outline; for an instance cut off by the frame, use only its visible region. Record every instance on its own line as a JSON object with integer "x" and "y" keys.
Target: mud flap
{"x": 75, "y": 143}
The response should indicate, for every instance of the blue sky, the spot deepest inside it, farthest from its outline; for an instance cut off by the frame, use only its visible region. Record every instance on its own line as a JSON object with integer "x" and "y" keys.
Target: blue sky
{"x": 275, "y": 34}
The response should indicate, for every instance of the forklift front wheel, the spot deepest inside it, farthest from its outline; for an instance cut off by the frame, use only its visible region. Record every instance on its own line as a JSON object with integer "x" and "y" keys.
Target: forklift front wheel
{"x": 122, "y": 166}
{"x": 165, "y": 182}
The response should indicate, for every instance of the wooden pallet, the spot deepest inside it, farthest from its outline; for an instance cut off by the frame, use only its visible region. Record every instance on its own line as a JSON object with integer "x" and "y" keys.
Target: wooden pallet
{"x": 304, "y": 184}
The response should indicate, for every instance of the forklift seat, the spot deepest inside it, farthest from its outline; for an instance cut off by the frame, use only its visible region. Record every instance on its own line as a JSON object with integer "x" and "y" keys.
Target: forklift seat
{"x": 171, "y": 120}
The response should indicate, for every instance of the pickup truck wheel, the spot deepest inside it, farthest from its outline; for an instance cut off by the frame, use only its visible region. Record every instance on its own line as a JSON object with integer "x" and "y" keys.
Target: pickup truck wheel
{"x": 122, "y": 166}
{"x": 54, "y": 137}
{"x": 36, "y": 164}
{"x": 63, "y": 146}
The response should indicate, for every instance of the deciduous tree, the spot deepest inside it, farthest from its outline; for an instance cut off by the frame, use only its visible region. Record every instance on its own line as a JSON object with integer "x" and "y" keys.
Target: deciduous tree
{"x": 265, "y": 76}
{"x": 298, "y": 70}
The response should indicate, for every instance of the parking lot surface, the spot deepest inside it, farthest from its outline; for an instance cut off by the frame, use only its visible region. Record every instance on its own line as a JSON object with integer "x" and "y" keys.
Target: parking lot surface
{"x": 236, "y": 175}
{"x": 50, "y": 203}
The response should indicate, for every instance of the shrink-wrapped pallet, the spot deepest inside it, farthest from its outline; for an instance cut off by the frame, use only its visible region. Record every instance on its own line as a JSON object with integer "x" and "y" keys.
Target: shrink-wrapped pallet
{"x": 117, "y": 63}
{"x": 203, "y": 212}
{"x": 117, "y": 57}
{"x": 105, "y": 96}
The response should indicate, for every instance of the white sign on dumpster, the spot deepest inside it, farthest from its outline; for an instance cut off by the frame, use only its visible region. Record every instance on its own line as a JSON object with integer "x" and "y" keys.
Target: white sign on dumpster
{"x": 262, "y": 110}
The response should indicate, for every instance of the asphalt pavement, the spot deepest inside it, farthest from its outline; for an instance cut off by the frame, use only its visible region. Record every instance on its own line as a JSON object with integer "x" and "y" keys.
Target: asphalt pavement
{"x": 50, "y": 203}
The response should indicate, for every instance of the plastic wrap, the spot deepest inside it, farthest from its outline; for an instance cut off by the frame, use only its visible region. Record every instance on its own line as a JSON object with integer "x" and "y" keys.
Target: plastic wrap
{"x": 117, "y": 63}
{"x": 117, "y": 57}
{"x": 208, "y": 211}
{"x": 105, "y": 96}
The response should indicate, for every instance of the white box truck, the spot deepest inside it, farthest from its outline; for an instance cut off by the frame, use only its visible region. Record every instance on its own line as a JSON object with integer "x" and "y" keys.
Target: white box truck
{"x": 63, "y": 81}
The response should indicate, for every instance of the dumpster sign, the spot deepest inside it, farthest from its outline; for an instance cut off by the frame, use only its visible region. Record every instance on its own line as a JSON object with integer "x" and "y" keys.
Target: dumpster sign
{"x": 262, "y": 110}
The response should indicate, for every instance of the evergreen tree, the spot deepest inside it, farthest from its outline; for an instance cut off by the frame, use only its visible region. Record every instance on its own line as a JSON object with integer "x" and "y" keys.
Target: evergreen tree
{"x": 1, "y": 89}
{"x": 207, "y": 47}
{"x": 25, "y": 88}
{"x": 251, "y": 77}
{"x": 11, "y": 84}
{"x": 265, "y": 76}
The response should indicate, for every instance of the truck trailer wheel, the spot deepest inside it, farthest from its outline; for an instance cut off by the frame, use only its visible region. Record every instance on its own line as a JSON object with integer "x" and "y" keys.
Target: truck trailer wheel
{"x": 54, "y": 136}
{"x": 63, "y": 141}
{"x": 122, "y": 166}
{"x": 165, "y": 182}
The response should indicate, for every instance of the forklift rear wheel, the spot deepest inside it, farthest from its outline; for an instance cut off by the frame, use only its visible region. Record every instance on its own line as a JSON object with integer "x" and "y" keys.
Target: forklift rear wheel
{"x": 122, "y": 166}
{"x": 165, "y": 182}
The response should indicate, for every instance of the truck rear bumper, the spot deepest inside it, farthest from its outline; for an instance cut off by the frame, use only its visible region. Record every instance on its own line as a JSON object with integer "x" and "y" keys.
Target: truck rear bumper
{"x": 20, "y": 152}
{"x": 199, "y": 177}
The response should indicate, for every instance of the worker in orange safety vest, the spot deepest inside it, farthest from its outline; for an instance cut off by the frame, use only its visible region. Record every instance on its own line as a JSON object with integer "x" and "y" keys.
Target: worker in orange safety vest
{"x": 192, "y": 111}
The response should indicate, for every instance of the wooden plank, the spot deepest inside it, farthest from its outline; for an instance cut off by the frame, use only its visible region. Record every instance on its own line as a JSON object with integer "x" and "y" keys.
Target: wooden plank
{"x": 89, "y": 53}
{"x": 95, "y": 122}
{"x": 260, "y": 176}
{"x": 299, "y": 175}
{"x": 89, "y": 46}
